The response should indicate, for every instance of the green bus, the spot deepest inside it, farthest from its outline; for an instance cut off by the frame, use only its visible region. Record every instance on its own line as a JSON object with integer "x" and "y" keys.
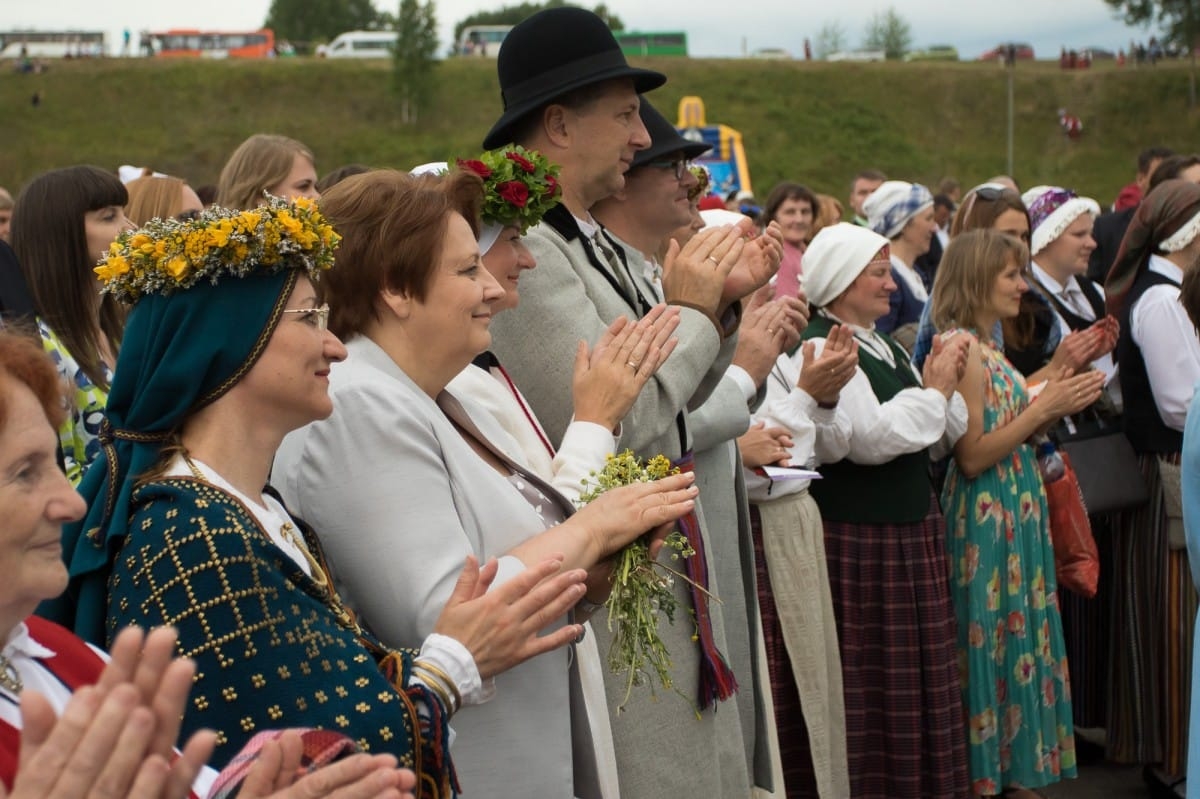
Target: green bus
{"x": 656, "y": 43}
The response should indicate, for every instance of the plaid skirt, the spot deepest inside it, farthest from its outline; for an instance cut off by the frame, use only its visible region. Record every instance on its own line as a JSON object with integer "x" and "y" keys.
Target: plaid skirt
{"x": 905, "y": 727}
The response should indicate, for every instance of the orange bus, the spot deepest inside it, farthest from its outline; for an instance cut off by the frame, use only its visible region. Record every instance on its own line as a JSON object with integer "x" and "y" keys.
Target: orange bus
{"x": 212, "y": 44}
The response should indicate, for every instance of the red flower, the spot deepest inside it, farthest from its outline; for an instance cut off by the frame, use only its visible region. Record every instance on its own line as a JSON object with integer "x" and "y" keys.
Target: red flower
{"x": 478, "y": 167}
{"x": 551, "y": 186}
{"x": 514, "y": 191}
{"x": 520, "y": 161}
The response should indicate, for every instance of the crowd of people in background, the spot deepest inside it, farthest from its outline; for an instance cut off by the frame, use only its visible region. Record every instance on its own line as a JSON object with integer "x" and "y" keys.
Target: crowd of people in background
{"x": 324, "y": 439}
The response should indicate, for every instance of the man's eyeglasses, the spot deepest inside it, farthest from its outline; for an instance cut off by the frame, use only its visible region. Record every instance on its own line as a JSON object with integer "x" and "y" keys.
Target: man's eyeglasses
{"x": 679, "y": 164}
{"x": 317, "y": 317}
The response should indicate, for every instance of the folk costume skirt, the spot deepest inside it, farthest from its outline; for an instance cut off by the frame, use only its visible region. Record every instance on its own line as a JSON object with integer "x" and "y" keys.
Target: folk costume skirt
{"x": 896, "y": 630}
{"x": 800, "y": 636}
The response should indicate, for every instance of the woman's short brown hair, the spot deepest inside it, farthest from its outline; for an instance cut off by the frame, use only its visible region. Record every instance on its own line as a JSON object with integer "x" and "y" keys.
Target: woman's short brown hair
{"x": 968, "y": 271}
{"x": 392, "y": 226}
{"x": 23, "y": 361}
{"x": 260, "y": 162}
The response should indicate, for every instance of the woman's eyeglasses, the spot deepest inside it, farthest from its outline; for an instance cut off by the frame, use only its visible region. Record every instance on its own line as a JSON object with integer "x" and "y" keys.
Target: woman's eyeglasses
{"x": 317, "y": 317}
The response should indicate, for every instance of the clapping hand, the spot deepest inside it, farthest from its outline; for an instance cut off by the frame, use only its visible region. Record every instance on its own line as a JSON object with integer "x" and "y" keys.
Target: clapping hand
{"x": 824, "y": 377}
{"x": 946, "y": 363}
{"x": 763, "y": 446}
{"x": 609, "y": 379}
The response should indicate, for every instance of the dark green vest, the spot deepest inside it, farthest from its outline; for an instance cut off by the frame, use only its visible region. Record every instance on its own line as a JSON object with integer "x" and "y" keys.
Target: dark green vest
{"x": 896, "y": 492}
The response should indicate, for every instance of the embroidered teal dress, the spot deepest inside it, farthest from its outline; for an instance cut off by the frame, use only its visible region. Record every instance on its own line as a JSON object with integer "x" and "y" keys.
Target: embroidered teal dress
{"x": 1016, "y": 685}
{"x": 273, "y": 647}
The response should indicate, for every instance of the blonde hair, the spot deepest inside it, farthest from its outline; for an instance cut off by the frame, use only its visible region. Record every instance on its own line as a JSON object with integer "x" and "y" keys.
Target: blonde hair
{"x": 153, "y": 197}
{"x": 967, "y": 273}
{"x": 6, "y": 200}
{"x": 260, "y": 162}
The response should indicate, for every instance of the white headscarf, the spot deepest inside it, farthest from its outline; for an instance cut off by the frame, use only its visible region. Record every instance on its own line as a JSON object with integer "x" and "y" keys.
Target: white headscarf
{"x": 838, "y": 254}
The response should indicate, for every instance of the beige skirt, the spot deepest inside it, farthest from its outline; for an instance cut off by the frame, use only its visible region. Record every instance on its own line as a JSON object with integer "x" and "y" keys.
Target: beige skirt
{"x": 794, "y": 545}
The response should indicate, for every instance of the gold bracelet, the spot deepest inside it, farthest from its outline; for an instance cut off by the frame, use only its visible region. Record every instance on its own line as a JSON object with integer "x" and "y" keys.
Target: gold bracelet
{"x": 443, "y": 676}
{"x": 439, "y": 674}
{"x": 435, "y": 687}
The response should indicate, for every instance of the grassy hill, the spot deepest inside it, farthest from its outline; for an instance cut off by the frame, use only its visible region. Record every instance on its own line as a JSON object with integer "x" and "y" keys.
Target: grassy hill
{"x": 813, "y": 122}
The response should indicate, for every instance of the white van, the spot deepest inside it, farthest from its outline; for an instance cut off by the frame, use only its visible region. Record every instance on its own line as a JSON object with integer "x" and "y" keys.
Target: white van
{"x": 360, "y": 44}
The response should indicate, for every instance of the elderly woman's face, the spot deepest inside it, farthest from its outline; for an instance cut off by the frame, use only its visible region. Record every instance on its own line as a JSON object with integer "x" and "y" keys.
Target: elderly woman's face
{"x": 795, "y": 216}
{"x": 506, "y": 259}
{"x": 920, "y": 229}
{"x": 867, "y": 298}
{"x": 452, "y": 322}
{"x": 36, "y": 501}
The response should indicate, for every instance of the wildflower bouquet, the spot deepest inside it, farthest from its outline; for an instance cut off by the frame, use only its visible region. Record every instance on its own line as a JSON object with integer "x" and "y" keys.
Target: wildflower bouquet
{"x": 521, "y": 185}
{"x": 641, "y": 587}
{"x": 170, "y": 254}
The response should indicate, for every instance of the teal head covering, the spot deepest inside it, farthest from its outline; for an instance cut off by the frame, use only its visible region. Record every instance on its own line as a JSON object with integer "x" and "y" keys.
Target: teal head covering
{"x": 190, "y": 336}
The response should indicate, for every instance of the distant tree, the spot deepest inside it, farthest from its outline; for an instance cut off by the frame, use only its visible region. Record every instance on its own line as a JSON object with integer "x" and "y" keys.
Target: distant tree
{"x": 320, "y": 20}
{"x": 413, "y": 60}
{"x": 511, "y": 15}
{"x": 830, "y": 39}
{"x": 889, "y": 32}
{"x": 1179, "y": 21}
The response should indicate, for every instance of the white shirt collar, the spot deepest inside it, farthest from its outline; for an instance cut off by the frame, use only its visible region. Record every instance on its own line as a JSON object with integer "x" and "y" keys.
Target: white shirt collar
{"x": 1165, "y": 268}
{"x": 20, "y": 642}
{"x": 911, "y": 279}
{"x": 588, "y": 227}
{"x": 1048, "y": 282}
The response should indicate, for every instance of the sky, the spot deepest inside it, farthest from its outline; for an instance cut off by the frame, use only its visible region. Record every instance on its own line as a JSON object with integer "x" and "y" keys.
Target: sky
{"x": 713, "y": 29}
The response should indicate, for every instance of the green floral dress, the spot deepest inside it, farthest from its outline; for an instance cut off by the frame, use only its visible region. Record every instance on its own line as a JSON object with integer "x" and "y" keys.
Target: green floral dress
{"x": 1012, "y": 658}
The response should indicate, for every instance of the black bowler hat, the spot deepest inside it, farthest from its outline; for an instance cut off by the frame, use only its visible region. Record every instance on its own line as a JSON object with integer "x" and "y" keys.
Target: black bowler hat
{"x": 665, "y": 139}
{"x": 551, "y": 53}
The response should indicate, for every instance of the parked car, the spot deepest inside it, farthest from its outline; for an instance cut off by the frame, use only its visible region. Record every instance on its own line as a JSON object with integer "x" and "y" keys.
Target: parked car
{"x": 857, "y": 55}
{"x": 1022, "y": 51}
{"x": 934, "y": 52}
{"x": 1099, "y": 53}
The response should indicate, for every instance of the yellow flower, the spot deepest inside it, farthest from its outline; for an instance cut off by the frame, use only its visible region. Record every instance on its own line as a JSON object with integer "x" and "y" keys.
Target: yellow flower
{"x": 179, "y": 267}
{"x": 289, "y": 223}
{"x": 112, "y": 267}
{"x": 218, "y": 235}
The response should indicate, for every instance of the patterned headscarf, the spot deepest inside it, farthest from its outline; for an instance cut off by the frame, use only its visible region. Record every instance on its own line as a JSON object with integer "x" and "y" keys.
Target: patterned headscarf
{"x": 181, "y": 351}
{"x": 893, "y": 204}
{"x": 1166, "y": 213}
{"x": 1051, "y": 211}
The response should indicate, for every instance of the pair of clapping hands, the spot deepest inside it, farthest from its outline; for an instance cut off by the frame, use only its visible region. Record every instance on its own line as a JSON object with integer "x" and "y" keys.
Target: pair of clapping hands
{"x": 115, "y": 739}
{"x": 721, "y": 265}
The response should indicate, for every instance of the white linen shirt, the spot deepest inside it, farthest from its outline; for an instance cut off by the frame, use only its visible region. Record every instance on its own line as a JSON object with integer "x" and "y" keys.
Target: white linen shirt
{"x": 1161, "y": 329}
{"x": 819, "y": 435}
{"x": 912, "y": 420}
